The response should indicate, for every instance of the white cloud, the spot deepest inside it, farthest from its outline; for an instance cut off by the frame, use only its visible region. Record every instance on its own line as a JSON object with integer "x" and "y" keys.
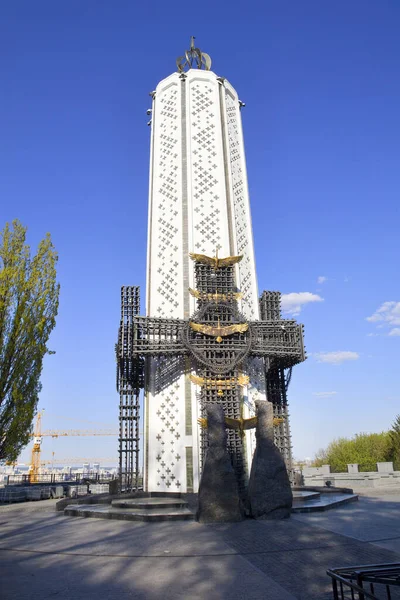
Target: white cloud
{"x": 388, "y": 312}
{"x": 336, "y": 358}
{"x": 372, "y": 334}
{"x": 293, "y": 303}
{"x": 321, "y": 279}
{"x": 324, "y": 394}
{"x": 395, "y": 331}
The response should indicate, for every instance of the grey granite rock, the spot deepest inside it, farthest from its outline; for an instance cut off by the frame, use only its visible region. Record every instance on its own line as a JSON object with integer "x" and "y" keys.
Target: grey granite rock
{"x": 218, "y": 491}
{"x": 269, "y": 492}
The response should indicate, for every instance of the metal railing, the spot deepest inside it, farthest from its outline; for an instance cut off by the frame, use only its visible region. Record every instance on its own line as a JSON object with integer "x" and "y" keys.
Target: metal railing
{"x": 92, "y": 477}
{"x": 130, "y": 481}
{"x": 375, "y": 582}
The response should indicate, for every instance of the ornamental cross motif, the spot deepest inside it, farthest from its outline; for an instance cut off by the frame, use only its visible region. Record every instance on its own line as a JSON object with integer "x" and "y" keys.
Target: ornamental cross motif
{"x": 220, "y": 345}
{"x": 217, "y": 336}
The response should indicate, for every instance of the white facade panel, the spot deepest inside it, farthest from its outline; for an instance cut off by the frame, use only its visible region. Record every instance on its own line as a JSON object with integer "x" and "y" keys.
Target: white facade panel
{"x": 206, "y": 166}
{"x": 198, "y": 202}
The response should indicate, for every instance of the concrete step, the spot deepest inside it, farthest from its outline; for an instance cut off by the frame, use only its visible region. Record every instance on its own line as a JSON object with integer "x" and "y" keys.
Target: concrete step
{"x": 302, "y": 496}
{"x": 101, "y": 511}
{"x": 149, "y": 503}
{"x": 324, "y": 502}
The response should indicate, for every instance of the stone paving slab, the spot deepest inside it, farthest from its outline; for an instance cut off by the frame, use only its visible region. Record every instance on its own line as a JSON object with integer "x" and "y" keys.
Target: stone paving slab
{"x": 64, "y": 577}
{"x": 297, "y": 555}
{"x": 45, "y": 554}
{"x": 370, "y": 519}
{"x": 53, "y": 532}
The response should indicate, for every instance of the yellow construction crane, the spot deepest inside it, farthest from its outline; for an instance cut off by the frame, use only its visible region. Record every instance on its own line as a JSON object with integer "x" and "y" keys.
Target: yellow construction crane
{"x": 38, "y": 434}
{"x": 35, "y": 457}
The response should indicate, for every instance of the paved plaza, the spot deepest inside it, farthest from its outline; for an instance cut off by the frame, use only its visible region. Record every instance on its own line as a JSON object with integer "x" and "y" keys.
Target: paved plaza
{"x": 47, "y": 555}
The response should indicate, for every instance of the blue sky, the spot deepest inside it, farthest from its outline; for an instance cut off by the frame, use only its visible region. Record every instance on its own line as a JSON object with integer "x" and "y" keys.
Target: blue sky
{"x": 322, "y": 129}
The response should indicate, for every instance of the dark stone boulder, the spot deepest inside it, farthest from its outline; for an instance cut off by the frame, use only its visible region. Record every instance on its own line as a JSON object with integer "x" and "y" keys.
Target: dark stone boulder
{"x": 269, "y": 493}
{"x": 218, "y": 499}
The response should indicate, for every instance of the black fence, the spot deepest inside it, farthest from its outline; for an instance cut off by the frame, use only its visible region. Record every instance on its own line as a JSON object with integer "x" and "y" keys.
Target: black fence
{"x": 90, "y": 477}
{"x": 375, "y": 582}
{"x": 130, "y": 481}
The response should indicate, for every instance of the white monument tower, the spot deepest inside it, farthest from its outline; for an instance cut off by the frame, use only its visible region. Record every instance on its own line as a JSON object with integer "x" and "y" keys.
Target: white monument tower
{"x": 198, "y": 202}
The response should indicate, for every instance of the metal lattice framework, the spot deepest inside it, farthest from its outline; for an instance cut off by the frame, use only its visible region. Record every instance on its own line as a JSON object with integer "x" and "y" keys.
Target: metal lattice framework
{"x": 279, "y": 342}
{"x": 224, "y": 358}
{"x": 130, "y": 380}
{"x": 217, "y": 342}
{"x": 277, "y": 380}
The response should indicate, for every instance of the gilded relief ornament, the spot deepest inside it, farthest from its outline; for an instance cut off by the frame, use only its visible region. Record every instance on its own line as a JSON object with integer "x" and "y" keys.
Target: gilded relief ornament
{"x": 219, "y": 331}
{"x": 214, "y": 261}
{"x": 216, "y": 296}
{"x": 227, "y": 384}
{"x": 241, "y": 424}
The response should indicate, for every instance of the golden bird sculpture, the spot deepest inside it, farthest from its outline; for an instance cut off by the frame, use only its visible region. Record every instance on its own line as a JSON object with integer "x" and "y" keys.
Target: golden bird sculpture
{"x": 216, "y": 296}
{"x": 219, "y": 331}
{"x": 226, "y": 384}
{"x": 243, "y": 380}
{"x": 241, "y": 424}
{"x": 214, "y": 261}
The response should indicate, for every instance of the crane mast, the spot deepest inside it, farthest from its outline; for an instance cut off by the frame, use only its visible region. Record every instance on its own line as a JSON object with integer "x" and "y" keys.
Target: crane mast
{"x": 35, "y": 457}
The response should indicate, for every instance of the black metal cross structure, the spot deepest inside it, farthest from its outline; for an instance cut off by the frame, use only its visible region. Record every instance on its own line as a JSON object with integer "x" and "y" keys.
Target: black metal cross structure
{"x": 220, "y": 345}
